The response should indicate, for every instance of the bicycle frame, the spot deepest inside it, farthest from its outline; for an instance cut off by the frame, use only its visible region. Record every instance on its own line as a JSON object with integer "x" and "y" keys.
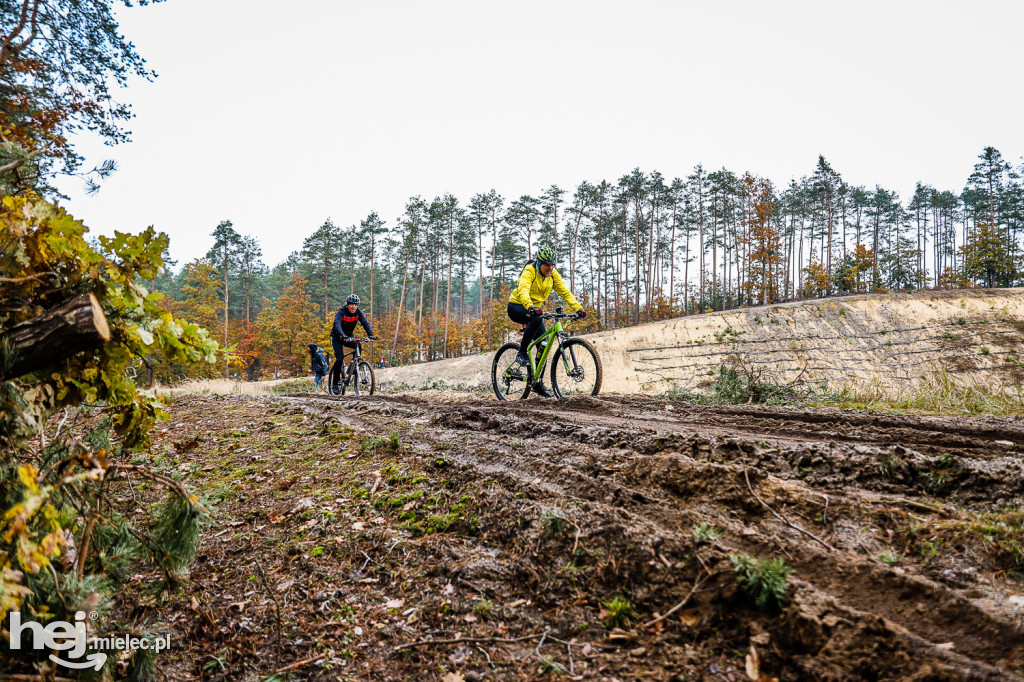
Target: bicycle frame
{"x": 356, "y": 354}
{"x": 556, "y": 333}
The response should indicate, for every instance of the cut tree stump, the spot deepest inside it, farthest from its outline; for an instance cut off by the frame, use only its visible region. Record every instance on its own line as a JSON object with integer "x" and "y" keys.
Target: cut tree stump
{"x": 72, "y": 327}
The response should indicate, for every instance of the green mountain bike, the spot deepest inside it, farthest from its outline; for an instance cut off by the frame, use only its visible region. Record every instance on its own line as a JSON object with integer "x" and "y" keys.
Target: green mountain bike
{"x": 575, "y": 365}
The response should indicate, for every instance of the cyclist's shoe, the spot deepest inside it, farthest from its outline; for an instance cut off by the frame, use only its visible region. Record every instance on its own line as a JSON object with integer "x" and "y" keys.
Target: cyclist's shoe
{"x": 336, "y": 389}
{"x": 539, "y": 389}
{"x": 521, "y": 359}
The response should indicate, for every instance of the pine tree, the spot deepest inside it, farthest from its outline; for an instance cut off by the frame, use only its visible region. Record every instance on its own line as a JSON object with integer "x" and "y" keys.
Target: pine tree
{"x": 225, "y": 255}
{"x": 320, "y": 253}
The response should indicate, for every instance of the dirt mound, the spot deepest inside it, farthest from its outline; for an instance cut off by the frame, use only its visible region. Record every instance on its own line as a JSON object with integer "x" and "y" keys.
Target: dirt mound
{"x": 891, "y": 342}
{"x": 406, "y": 537}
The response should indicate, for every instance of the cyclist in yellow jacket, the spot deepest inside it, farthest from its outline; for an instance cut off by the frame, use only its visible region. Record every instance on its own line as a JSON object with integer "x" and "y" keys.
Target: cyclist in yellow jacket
{"x": 536, "y": 281}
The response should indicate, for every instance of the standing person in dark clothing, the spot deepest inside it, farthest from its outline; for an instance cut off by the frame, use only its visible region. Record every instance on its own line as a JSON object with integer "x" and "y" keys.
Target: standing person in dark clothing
{"x": 318, "y": 364}
{"x": 342, "y": 336}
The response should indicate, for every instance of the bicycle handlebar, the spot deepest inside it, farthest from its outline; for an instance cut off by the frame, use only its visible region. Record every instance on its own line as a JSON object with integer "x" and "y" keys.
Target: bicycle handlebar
{"x": 553, "y": 316}
{"x": 359, "y": 339}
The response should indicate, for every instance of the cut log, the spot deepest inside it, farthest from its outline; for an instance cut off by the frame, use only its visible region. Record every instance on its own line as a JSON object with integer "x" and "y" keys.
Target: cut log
{"x": 72, "y": 327}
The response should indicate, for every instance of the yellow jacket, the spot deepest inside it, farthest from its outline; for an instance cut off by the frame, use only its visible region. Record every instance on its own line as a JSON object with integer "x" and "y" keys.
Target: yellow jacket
{"x": 534, "y": 289}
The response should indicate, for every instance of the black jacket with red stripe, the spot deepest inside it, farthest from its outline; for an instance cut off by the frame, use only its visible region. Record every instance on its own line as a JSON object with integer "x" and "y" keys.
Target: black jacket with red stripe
{"x": 345, "y": 323}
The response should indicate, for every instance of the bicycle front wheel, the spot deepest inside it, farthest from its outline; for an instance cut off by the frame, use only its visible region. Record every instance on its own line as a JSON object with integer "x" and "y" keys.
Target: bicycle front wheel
{"x": 365, "y": 380}
{"x": 576, "y": 369}
{"x": 511, "y": 381}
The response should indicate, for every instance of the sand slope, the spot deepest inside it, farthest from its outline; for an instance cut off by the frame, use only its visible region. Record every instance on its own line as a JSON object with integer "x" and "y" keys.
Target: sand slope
{"x": 891, "y": 341}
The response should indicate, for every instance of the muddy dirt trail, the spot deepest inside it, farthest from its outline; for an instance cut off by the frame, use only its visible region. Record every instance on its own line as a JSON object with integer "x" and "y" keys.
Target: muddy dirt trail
{"x": 612, "y": 538}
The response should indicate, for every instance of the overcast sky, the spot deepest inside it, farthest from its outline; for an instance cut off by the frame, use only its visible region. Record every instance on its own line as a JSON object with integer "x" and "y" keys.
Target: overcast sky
{"x": 279, "y": 115}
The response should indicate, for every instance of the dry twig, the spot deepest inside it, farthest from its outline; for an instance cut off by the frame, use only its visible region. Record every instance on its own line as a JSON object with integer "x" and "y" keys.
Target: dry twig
{"x": 693, "y": 590}
{"x": 780, "y": 517}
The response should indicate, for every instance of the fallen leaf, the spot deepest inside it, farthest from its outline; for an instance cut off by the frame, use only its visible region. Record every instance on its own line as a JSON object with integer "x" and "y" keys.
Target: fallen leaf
{"x": 453, "y": 677}
{"x": 688, "y": 618}
{"x": 753, "y": 664}
{"x": 304, "y": 504}
{"x": 395, "y": 603}
{"x": 469, "y": 618}
{"x": 945, "y": 646}
{"x": 619, "y": 635}
{"x": 358, "y": 525}
{"x": 448, "y": 590}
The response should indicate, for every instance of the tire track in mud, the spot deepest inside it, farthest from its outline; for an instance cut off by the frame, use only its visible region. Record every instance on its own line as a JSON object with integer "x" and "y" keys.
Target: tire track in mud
{"x": 662, "y": 468}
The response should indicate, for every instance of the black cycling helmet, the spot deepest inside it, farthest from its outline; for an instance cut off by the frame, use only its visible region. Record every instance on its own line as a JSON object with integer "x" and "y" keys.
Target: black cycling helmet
{"x": 311, "y": 346}
{"x": 546, "y": 255}
{"x": 352, "y": 298}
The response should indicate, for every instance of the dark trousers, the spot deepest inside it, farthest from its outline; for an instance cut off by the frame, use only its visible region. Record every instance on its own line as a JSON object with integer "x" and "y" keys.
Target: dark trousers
{"x": 534, "y": 324}
{"x": 340, "y": 348}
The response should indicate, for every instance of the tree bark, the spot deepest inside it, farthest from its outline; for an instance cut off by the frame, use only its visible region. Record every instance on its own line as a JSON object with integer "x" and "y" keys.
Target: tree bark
{"x": 74, "y": 326}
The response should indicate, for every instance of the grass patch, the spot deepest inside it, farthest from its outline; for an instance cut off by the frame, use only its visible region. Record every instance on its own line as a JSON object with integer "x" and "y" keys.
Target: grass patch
{"x": 941, "y": 394}
{"x": 765, "y": 580}
{"x": 705, "y": 532}
{"x": 617, "y": 612}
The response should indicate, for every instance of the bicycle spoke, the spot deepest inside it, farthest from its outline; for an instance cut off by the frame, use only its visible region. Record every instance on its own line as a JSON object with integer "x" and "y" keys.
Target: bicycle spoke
{"x": 508, "y": 377}
{"x": 576, "y": 370}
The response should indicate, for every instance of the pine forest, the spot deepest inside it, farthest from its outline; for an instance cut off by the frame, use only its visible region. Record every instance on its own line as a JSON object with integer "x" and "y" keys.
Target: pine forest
{"x": 435, "y": 280}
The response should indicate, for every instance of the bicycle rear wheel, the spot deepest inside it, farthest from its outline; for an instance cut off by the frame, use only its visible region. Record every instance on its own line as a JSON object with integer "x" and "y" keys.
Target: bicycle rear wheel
{"x": 366, "y": 382}
{"x": 576, "y": 369}
{"x": 511, "y": 381}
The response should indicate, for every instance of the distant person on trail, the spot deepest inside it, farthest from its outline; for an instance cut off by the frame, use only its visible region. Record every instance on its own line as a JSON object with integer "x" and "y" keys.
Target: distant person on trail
{"x": 536, "y": 281}
{"x": 342, "y": 336}
{"x": 318, "y": 364}
{"x": 381, "y": 361}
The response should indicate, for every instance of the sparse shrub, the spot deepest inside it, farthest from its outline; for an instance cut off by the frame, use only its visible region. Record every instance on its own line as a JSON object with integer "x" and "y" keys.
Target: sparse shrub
{"x": 483, "y": 607}
{"x": 889, "y": 558}
{"x": 738, "y": 385}
{"x": 373, "y": 445}
{"x": 705, "y": 532}
{"x": 891, "y": 467}
{"x": 554, "y": 522}
{"x": 765, "y": 580}
{"x": 617, "y": 612}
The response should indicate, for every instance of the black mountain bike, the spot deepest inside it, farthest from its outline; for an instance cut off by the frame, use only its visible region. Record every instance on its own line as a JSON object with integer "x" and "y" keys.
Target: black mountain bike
{"x": 359, "y": 373}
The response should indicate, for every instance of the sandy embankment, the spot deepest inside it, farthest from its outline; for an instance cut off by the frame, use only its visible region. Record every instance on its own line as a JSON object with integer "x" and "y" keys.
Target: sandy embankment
{"x": 891, "y": 341}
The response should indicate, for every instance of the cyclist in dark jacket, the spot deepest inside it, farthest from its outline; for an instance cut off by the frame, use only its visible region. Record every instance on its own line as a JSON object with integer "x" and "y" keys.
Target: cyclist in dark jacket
{"x": 342, "y": 336}
{"x": 318, "y": 364}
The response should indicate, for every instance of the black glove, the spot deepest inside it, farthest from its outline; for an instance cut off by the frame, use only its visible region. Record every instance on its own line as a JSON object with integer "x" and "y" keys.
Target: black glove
{"x": 581, "y": 313}
{"x": 536, "y": 311}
